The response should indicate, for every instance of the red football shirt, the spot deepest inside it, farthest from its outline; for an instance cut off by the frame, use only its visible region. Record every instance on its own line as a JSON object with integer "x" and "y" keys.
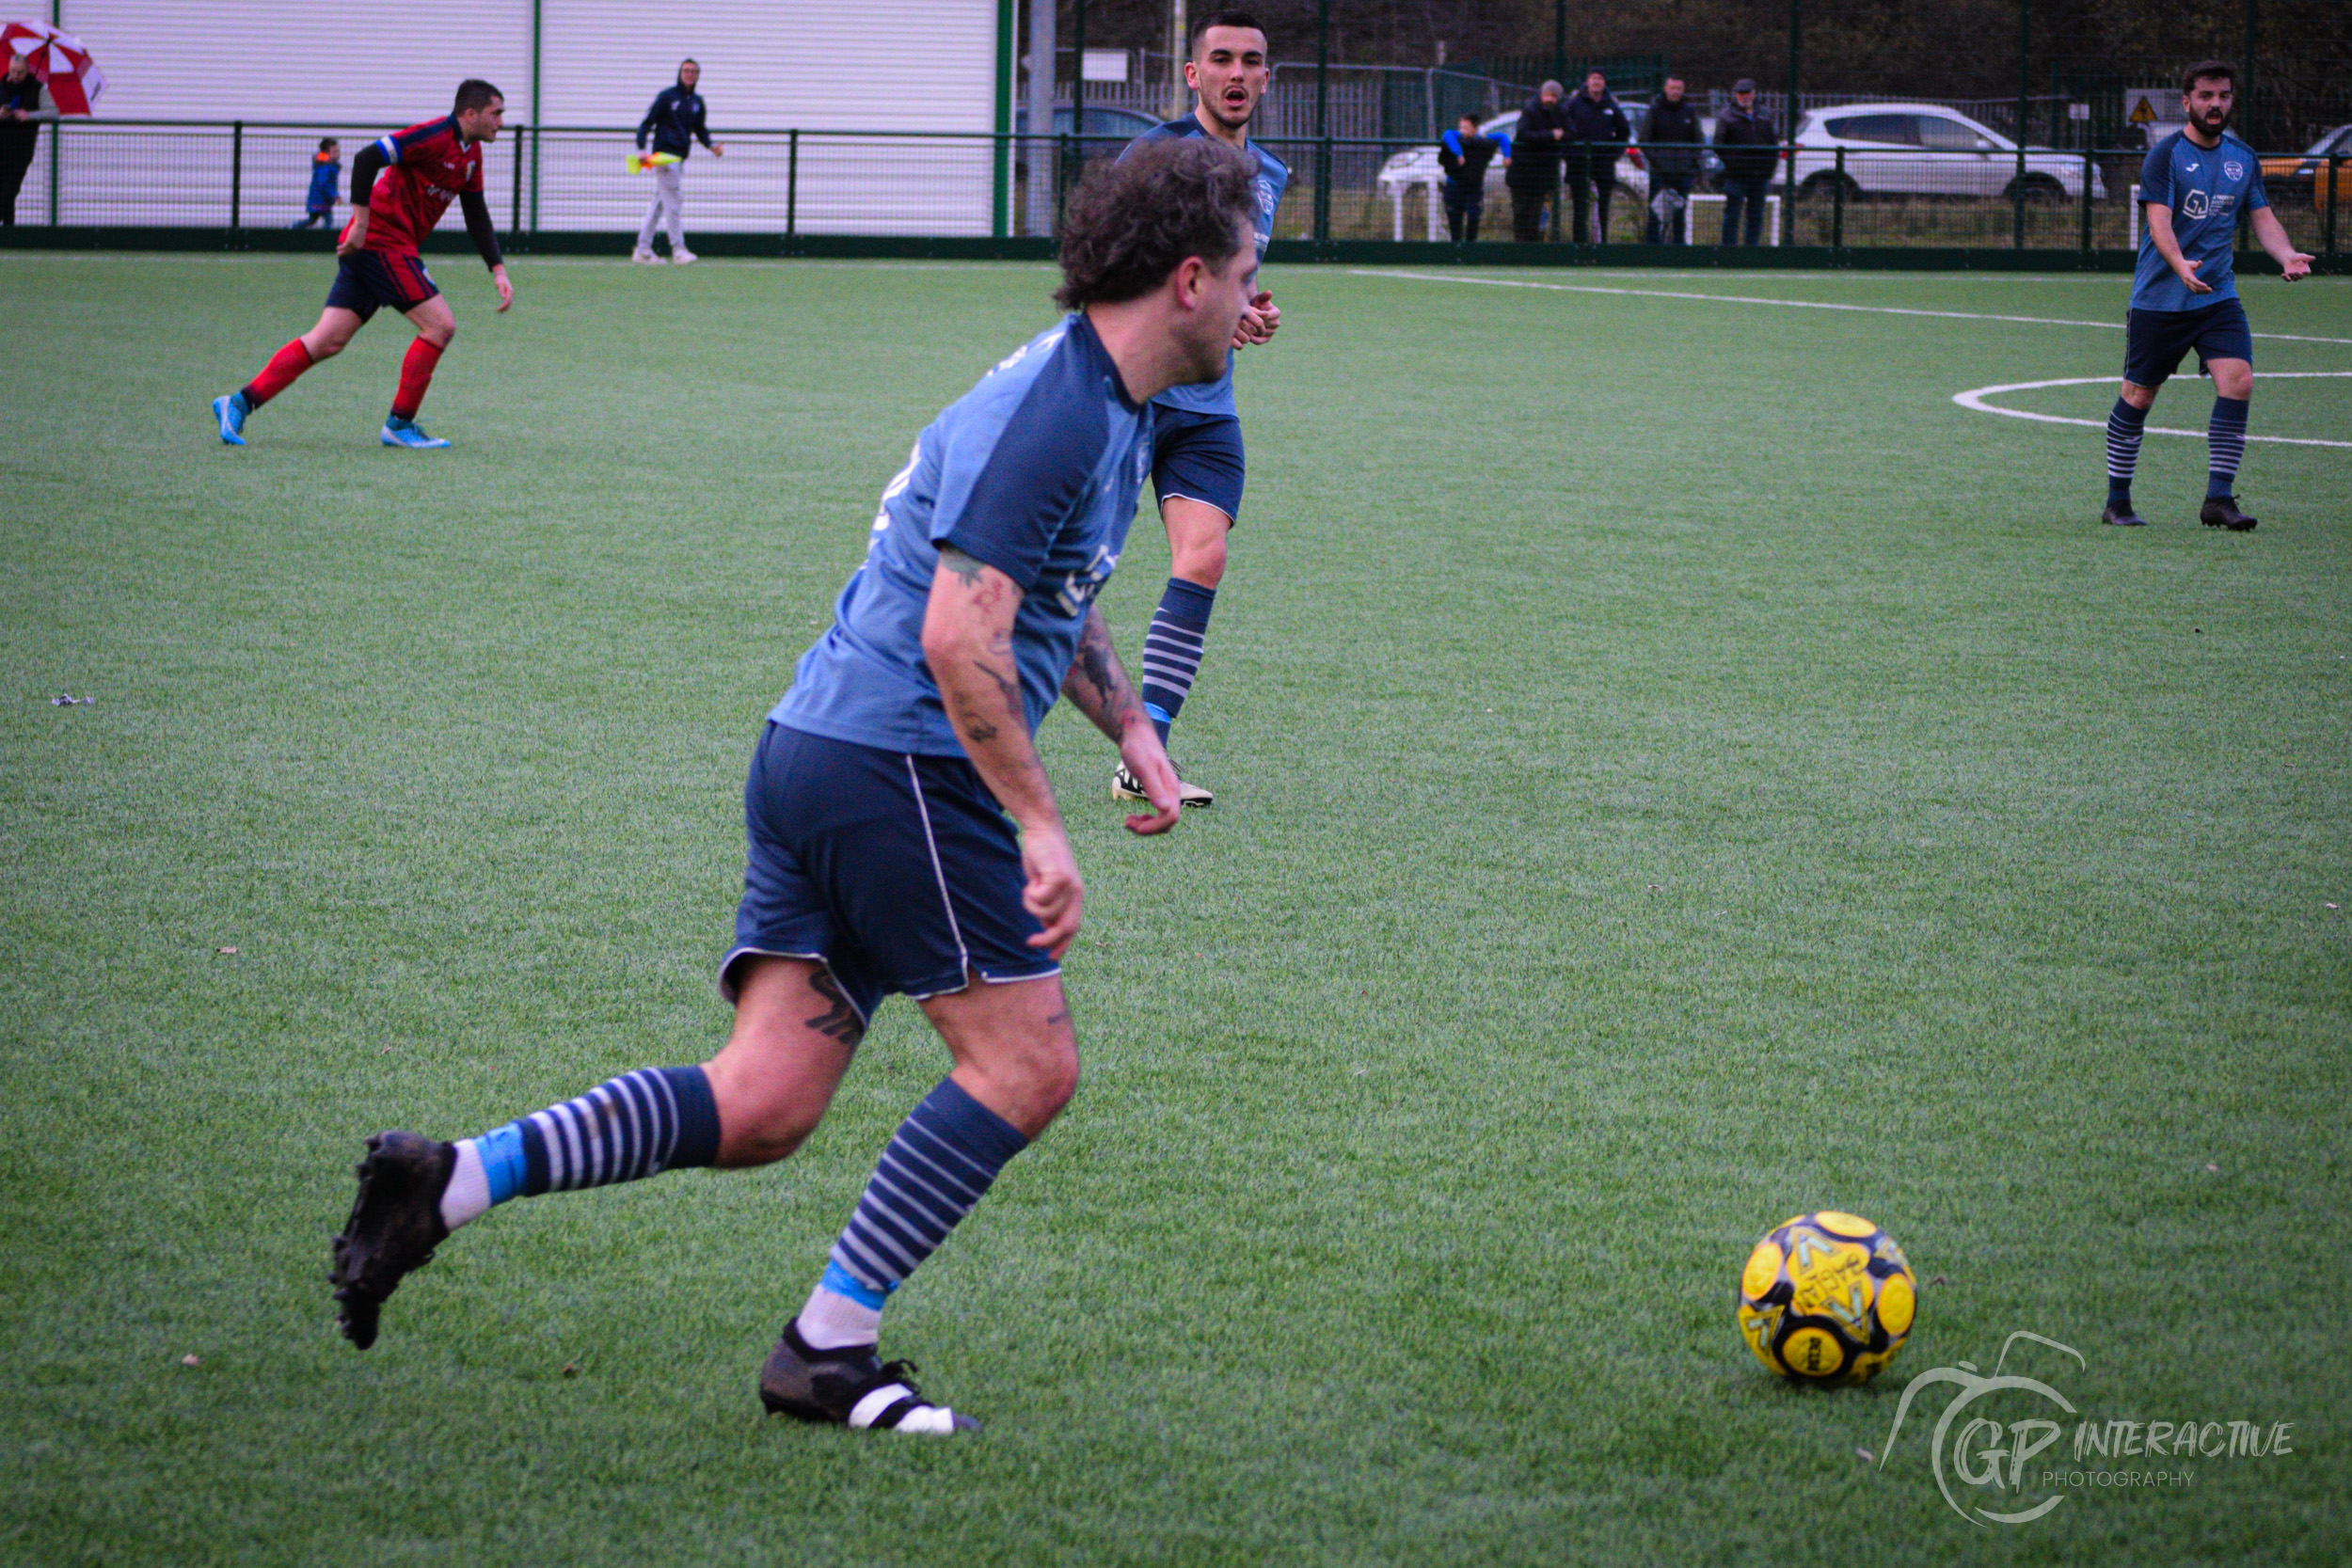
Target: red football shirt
{"x": 426, "y": 168}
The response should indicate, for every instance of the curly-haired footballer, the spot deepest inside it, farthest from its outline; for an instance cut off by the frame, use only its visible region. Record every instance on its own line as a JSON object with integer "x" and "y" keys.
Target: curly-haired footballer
{"x": 902, "y": 833}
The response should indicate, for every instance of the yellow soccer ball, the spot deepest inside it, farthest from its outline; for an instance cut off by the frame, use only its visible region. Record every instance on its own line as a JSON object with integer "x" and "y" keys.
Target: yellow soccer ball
{"x": 1827, "y": 1298}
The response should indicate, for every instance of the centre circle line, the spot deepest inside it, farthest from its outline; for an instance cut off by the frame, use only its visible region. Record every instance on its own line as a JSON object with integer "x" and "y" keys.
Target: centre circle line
{"x": 1974, "y": 399}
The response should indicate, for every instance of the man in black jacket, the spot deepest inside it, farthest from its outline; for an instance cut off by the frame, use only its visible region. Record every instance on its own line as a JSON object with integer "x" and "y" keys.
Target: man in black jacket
{"x": 1747, "y": 142}
{"x": 24, "y": 106}
{"x": 676, "y": 123}
{"x": 1463, "y": 154}
{"x": 1597, "y": 124}
{"x": 1671, "y": 142}
{"x": 1536, "y": 147}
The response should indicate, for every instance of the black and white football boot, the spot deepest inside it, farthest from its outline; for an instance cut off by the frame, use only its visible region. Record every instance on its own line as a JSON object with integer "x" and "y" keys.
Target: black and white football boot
{"x": 849, "y": 1387}
{"x": 1126, "y": 786}
{"x": 395, "y": 1223}
{"x": 2221, "y": 512}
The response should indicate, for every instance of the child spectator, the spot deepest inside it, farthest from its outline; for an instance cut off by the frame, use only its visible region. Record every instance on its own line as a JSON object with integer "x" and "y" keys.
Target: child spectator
{"x": 1463, "y": 155}
{"x": 327, "y": 169}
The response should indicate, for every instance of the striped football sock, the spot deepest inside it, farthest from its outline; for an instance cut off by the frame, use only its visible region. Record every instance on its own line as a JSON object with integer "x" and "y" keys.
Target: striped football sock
{"x": 640, "y": 1124}
{"x": 2225, "y": 441}
{"x": 941, "y": 1160}
{"x": 2124, "y": 426}
{"x": 1172, "y": 648}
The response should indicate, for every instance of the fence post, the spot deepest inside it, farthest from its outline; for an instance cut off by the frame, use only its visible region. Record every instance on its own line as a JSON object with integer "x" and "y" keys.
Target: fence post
{"x": 236, "y": 173}
{"x": 2335, "y": 183}
{"x": 2090, "y": 172}
{"x": 515, "y": 209}
{"x": 1836, "y": 204}
{"x": 538, "y": 136}
{"x": 56, "y": 166}
{"x": 792, "y": 185}
{"x": 1323, "y": 121}
{"x": 2017, "y": 200}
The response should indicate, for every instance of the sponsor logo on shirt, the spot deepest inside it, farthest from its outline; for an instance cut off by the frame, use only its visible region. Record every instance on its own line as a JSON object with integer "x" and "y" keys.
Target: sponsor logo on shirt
{"x": 1079, "y": 588}
{"x": 2193, "y": 205}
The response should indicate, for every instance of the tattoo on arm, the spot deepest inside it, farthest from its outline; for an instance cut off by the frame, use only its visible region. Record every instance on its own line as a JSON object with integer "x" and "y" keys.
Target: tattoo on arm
{"x": 967, "y": 569}
{"x": 1097, "y": 683}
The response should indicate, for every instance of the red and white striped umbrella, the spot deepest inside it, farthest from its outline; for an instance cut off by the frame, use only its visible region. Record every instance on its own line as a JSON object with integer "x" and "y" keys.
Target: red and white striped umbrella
{"x": 59, "y": 60}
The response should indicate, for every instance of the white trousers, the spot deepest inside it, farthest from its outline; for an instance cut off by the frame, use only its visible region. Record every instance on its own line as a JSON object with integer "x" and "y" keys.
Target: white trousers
{"x": 667, "y": 197}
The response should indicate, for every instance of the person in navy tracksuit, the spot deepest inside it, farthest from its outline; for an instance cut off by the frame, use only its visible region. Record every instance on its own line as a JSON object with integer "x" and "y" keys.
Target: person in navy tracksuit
{"x": 675, "y": 123}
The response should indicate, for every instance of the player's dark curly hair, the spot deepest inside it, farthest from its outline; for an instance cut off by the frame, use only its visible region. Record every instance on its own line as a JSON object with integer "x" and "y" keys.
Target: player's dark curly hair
{"x": 1132, "y": 223}
{"x": 474, "y": 93}
{"x": 2207, "y": 71}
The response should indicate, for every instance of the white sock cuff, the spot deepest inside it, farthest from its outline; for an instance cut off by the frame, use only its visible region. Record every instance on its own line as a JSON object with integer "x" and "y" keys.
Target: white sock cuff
{"x": 467, "y": 1197}
{"x": 831, "y": 1321}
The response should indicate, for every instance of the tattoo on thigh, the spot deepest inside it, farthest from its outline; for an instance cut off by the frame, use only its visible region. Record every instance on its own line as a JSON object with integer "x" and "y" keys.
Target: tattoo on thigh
{"x": 840, "y": 1021}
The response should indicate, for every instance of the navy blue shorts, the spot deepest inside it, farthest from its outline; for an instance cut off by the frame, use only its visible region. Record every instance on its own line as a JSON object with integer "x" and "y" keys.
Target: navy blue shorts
{"x": 372, "y": 278}
{"x": 899, "y": 873}
{"x": 1198, "y": 457}
{"x": 2156, "y": 342}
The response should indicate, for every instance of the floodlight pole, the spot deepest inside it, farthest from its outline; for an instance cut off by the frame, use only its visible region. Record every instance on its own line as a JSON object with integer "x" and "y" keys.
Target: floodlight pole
{"x": 1789, "y": 127}
{"x": 1079, "y": 73}
{"x": 2246, "y": 81}
{"x": 1560, "y": 41}
{"x": 1323, "y": 119}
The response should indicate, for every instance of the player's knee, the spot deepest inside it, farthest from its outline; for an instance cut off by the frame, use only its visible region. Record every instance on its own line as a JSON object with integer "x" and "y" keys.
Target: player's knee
{"x": 2138, "y": 396}
{"x": 440, "y": 335}
{"x": 1201, "y": 560}
{"x": 762, "y": 1132}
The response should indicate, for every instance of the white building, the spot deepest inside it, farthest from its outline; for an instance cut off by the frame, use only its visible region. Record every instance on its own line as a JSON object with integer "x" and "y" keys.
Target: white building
{"x": 581, "y": 72}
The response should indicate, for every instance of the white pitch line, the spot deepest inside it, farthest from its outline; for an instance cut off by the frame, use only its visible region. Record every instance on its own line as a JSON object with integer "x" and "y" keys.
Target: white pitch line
{"x": 1794, "y": 304}
{"x": 1974, "y": 397}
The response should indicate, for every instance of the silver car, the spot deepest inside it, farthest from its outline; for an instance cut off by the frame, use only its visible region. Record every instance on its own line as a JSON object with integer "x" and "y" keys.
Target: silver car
{"x": 1927, "y": 149}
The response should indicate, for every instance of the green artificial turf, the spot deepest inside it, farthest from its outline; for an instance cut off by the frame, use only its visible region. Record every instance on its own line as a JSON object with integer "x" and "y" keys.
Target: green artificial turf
{"x": 1676, "y": 769}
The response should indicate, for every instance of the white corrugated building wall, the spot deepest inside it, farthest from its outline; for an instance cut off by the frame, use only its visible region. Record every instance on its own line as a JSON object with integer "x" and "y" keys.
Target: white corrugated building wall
{"x": 921, "y": 65}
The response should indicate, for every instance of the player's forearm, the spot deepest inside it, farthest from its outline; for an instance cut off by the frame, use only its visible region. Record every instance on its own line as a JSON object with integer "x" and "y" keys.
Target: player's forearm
{"x": 1097, "y": 684}
{"x": 480, "y": 228}
{"x": 2160, "y": 234}
{"x": 967, "y": 641}
{"x": 2272, "y": 236}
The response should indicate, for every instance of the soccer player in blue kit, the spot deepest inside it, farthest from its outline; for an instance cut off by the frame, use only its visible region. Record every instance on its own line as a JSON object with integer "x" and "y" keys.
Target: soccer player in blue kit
{"x": 883, "y": 804}
{"x": 1197, "y": 466}
{"x": 2194, "y": 186}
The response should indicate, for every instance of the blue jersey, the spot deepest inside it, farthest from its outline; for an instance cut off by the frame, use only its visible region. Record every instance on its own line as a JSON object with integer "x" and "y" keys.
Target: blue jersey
{"x": 2207, "y": 191}
{"x": 1274, "y": 177}
{"x": 1034, "y": 471}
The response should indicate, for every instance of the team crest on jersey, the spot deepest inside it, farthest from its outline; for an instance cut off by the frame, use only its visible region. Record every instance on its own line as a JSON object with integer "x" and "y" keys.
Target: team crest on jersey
{"x": 2235, "y": 172}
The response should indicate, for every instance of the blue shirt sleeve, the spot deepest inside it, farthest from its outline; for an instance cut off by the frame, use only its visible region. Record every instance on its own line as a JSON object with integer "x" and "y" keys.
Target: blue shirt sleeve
{"x": 2155, "y": 174}
{"x": 1504, "y": 139}
{"x": 1006, "y": 494}
{"x": 2255, "y": 196}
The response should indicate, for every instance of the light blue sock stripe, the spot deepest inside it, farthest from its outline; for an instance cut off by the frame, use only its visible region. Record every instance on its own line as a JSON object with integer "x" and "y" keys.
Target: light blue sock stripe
{"x": 502, "y": 1151}
{"x": 842, "y": 1283}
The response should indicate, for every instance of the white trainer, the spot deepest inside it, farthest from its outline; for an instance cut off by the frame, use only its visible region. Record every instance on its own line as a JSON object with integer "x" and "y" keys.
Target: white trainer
{"x": 644, "y": 258}
{"x": 682, "y": 257}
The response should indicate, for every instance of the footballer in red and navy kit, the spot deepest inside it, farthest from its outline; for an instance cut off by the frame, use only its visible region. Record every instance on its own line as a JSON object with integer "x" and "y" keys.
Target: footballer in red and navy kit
{"x": 400, "y": 187}
{"x": 2196, "y": 186}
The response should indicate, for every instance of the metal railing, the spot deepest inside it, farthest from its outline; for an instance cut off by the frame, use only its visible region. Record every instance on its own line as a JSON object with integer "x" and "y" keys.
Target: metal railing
{"x": 249, "y": 174}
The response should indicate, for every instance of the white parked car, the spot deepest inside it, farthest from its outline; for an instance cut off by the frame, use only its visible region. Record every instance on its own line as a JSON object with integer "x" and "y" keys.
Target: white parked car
{"x": 1927, "y": 150}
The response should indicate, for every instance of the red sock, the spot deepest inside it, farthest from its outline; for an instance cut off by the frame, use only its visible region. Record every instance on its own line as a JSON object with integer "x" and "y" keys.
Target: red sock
{"x": 416, "y": 374}
{"x": 278, "y": 374}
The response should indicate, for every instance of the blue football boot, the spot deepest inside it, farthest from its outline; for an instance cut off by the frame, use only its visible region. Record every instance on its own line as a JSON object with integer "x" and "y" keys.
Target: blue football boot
{"x": 232, "y": 411}
{"x": 398, "y": 432}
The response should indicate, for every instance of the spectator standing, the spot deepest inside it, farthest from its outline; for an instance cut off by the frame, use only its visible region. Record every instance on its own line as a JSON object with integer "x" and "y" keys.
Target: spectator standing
{"x": 24, "y": 108}
{"x": 1748, "y": 143}
{"x": 675, "y": 122}
{"x": 327, "y": 172}
{"x": 1537, "y": 151}
{"x": 1597, "y": 122}
{"x": 1671, "y": 142}
{"x": 1463, "y": 154}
